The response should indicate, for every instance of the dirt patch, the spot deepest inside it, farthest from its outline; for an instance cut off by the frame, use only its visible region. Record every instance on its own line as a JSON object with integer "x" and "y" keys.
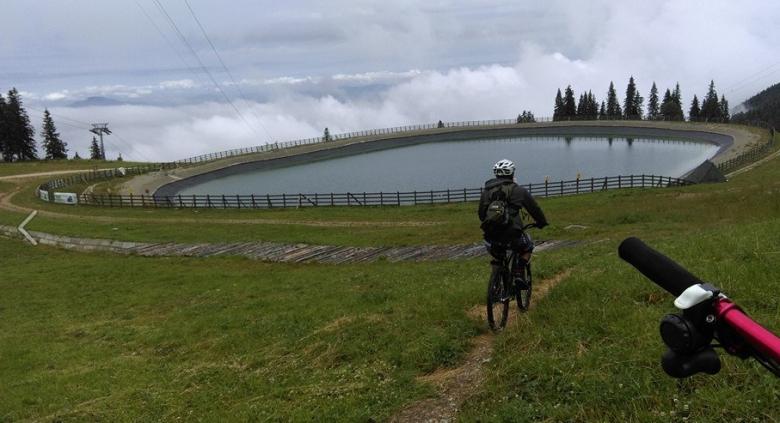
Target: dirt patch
{"x": 5, "y": 203}
{"x": 455, "y": 385}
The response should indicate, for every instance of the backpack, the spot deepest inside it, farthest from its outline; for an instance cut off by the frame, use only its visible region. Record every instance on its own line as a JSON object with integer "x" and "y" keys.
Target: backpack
{"x": 498, "y": 216}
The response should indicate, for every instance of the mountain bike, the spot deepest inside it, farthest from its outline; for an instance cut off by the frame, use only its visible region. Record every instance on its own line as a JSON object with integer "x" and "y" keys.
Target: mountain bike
{"x": 505, "y": 284}
{"x": 707, "y": 314}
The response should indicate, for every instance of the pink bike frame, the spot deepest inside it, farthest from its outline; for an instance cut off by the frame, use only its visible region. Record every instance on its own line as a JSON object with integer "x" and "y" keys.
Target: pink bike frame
{"x": 754, "y": 334}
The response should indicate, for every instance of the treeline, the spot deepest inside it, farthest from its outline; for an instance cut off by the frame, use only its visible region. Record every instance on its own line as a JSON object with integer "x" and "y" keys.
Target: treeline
{"x": 668, "y": 107}
{"x": 17, "y": 135}
{"x": 764, "y": 107}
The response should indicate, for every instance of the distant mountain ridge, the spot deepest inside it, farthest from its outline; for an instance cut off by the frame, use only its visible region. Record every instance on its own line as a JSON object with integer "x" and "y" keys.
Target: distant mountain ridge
{"x": 764, "y": 106}
{"x": 96, "y": 101}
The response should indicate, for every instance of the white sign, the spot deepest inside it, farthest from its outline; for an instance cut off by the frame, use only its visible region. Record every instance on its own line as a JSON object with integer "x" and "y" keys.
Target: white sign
{"x": 43, "y": 195}
{"x": 65, "y": 198}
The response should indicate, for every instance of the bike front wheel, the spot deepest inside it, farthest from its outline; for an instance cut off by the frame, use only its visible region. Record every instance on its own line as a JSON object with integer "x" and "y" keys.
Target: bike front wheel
{"x": 497, "y": 299}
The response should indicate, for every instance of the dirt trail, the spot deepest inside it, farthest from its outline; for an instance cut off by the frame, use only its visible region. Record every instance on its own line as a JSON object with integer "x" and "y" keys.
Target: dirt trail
{"x": 5, "y": 203}
{"x": 455, "y": 385}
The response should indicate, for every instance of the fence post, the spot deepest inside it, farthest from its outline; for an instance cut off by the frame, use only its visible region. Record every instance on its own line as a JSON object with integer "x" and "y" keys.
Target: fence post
{"x": 238, "y": 201}
{"x": 398, "y": 197}
{"x": 431, "y": 196}
{"x": 415, "y": 198}
{"x": 284, "y": 200}
{"x": 381, "y": 198}
{"x": 208, "y": 200}
{"x": 620, "y": 182}
{"x": 591, "y": 184}
{"x": 300, "y": 200}
{"x": 131, "y": 200}
{"x": 349, "y": 200}
{"x": 561, "y": 187}
{"x": 331, "y": 199}
{"x": 464, "y": 195}
{"x": 448, "y": 195}
{"x": 254, "y": 205}
{"x": 546, "y": 183}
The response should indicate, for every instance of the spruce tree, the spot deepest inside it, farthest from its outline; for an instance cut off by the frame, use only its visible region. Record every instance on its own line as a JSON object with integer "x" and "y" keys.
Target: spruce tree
{"x": 569, "y": 105}
{"x": 53, "y": 146}
{"x": 21, "y": 135}
{"x": 629, "y": 110}
{"x": 76, "y": 156}
{"x": 603, "y": 111}
{"x": 94, "y": 150}
{"x": 3, "y": 130}
{"x": 652, "y": 104}
{"x": 667, "y": 106}
{"x": 724, "y": 109}
{"x": 695, "y": 111}
{"x": 326, "y": 135}
{"x": 639, "y": 108}
{"x": 613, "y": 107}
{"x": 581, "y": 107}
{"x": 677, "y": 97}
{"x": 558, "y": 110}
{"x": 710, "y": 107}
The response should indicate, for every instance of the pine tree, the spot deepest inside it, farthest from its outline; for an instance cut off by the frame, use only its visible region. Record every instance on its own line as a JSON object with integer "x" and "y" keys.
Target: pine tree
{"x": 3, "y": 130}
{"x": 526, "y": 117}
{"x": 724, "y": 110}
{"x": 558, "y": 110}
{"x": 695, "y": 111}
{"x": 613, "y": 107}
{"x": 569, "y": 106}
{"x": 710, "y": 107}
{"x": 20, "y": 141}
{"x": 581, "y": 107}
{"x": 667, "y": 106}
{"x": 677, "y": 97}
{"x": 52, "y": 144}
{"x": 76, "y": 156}
{"x": 603, "y": 111}
{"x": 652, "y": 104}
{"x": 629, "y": 110}
{"x": 639, "y": 108}
{"x": 94, "y": 150}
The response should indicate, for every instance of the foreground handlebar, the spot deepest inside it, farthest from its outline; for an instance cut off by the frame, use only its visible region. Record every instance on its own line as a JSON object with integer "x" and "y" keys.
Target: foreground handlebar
{"x": 657, "y": 267}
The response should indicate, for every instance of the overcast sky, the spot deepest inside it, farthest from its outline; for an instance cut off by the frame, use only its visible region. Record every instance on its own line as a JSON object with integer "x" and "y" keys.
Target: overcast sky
{"x": 296, "y": 67}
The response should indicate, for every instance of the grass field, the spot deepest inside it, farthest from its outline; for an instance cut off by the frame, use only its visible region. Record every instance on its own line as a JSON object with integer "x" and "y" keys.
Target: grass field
{"x": 106, "y": 337}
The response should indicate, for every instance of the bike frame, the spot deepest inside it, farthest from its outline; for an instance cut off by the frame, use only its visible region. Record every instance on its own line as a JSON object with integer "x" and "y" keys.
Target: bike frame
{"x": 758, "y": 337}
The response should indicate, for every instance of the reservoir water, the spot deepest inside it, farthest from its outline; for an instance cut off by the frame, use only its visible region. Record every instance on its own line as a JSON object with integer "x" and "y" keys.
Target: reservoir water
{"x": 467, "y": 164}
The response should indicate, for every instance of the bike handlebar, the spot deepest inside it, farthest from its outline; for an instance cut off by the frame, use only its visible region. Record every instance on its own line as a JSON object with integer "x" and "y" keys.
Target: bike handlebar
{"x": 657, "y": 267}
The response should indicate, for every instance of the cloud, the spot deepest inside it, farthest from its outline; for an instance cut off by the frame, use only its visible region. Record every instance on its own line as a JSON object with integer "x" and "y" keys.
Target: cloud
{"x": 443, "y": 60}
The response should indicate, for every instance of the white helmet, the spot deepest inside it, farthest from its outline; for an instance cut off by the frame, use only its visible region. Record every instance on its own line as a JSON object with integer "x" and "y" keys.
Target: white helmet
{"x": 504, "y": 167}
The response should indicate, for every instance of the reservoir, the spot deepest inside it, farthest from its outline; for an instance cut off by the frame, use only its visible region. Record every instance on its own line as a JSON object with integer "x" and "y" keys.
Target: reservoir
{"x": 468, "y": 163}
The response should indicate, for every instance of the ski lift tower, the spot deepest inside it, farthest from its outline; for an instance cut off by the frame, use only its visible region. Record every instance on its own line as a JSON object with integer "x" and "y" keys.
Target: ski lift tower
{"x": 100, "y": 129}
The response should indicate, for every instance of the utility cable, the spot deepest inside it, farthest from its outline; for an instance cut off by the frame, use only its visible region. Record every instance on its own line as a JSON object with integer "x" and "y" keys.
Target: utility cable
{"x": 202, "y": 65}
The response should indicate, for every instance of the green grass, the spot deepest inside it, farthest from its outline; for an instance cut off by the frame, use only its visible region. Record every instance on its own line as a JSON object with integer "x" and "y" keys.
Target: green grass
{"x": 21, "y": 168}
{"x": 108, "y": 337}
{"x": 105, "y": 337}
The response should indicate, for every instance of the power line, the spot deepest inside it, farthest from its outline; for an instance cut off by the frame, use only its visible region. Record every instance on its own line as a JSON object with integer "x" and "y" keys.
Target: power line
{"x": 224, "y": 66}
{"x": 202, "y": 66}
{"x": 169, "y": 42}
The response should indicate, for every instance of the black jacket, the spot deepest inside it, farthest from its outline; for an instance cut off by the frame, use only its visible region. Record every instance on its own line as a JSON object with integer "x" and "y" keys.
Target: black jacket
{"x": 520, "y": 198}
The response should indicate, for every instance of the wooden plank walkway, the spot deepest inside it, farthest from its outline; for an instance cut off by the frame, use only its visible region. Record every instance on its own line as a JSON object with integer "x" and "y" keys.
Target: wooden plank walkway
{"x": 274, "y": 252}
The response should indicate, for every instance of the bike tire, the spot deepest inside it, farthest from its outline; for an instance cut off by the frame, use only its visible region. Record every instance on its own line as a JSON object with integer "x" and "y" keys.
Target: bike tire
{"x": 497, "y": 299}
{"x": 524, "y": 293}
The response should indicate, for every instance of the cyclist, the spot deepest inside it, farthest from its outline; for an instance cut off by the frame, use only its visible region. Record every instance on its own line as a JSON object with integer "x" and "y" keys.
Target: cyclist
{"x": 504, "y": 191}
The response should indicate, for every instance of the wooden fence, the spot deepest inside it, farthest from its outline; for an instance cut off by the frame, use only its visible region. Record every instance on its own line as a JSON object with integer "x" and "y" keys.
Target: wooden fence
{"x": 544, "y": 189}
{"x": 749, "y": 156}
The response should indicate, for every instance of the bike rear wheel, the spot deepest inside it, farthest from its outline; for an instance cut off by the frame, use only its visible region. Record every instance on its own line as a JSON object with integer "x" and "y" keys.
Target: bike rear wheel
{"x": 524, "y": 287}
{"x": 497, "y": 299}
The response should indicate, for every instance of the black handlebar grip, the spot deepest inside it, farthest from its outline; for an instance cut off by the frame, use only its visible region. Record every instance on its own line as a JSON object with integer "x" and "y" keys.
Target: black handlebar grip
{"x": 657, "y": 267}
